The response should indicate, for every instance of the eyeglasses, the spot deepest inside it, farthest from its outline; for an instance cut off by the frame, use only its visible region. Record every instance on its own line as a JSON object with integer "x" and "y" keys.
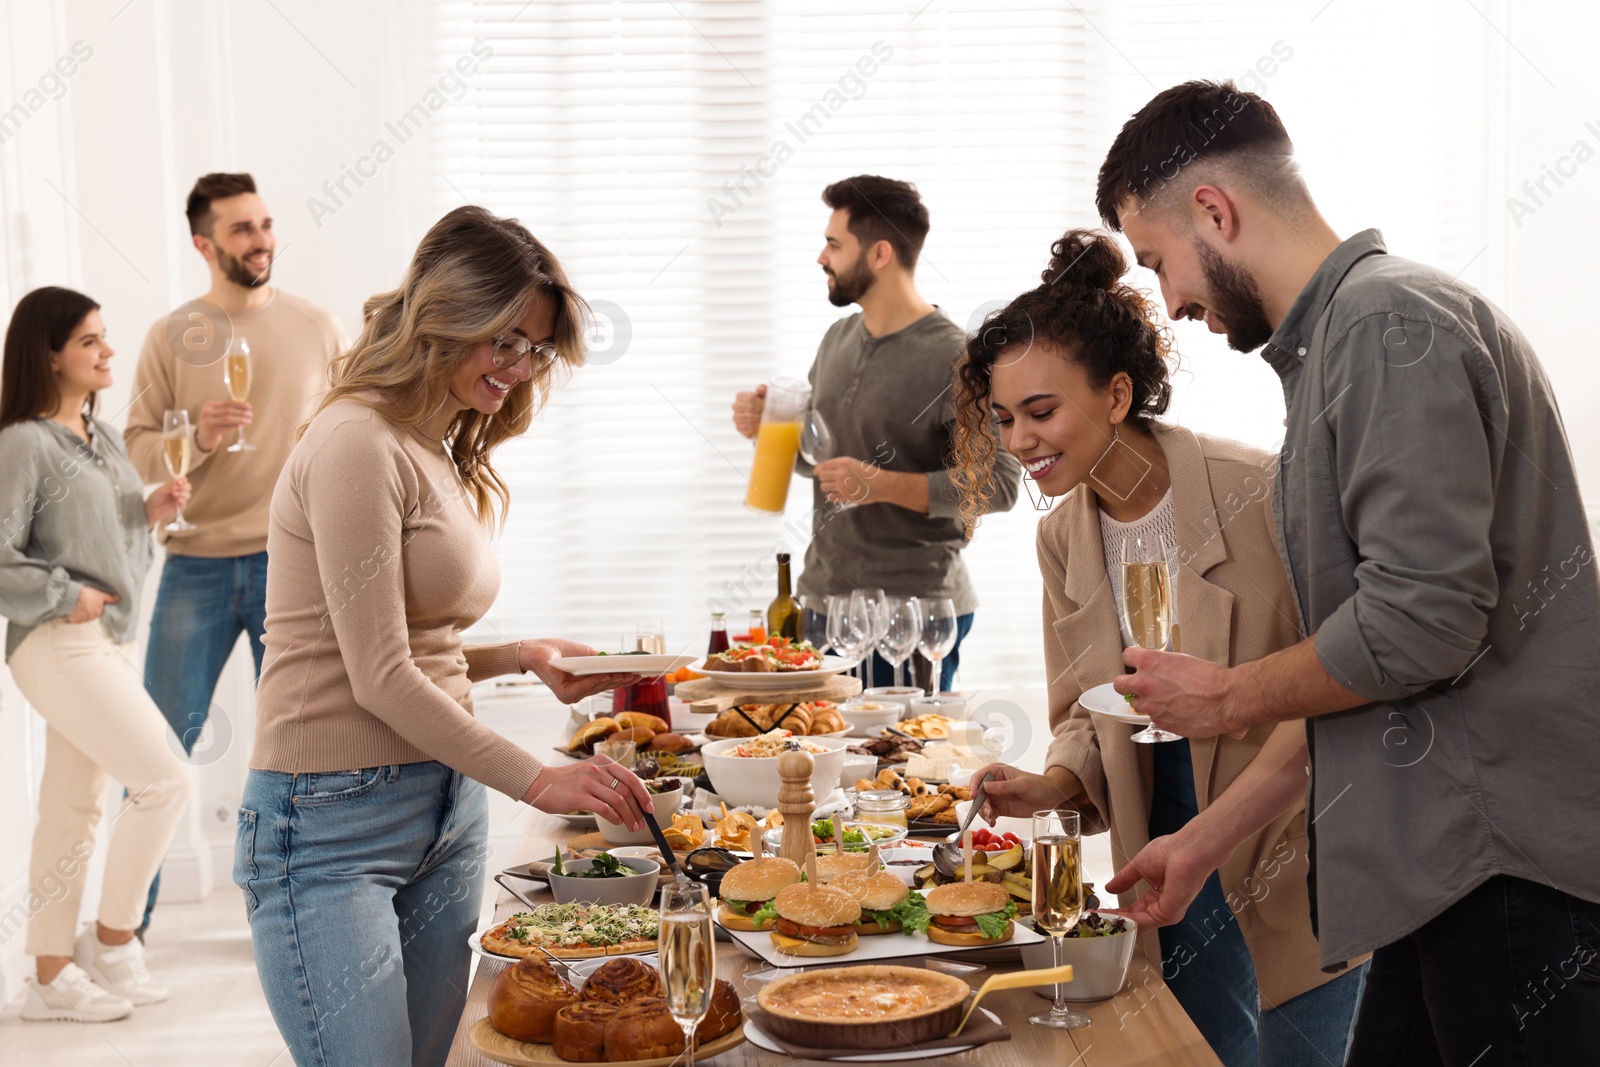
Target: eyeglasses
{"x": 509, "y": 350}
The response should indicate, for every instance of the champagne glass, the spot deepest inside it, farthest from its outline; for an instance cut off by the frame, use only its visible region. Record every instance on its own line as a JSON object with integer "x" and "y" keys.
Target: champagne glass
{"x": 236, "y": 374}
{"x": 1147, "y": 606}
{"x": 1057, "y": 900}
{"x": 938, "y": 635}
{"x": 177, "y": 438}
{"x": 901, "y": 631}
{"x": 687, "y": 957}
{"x": 816, "y": 445}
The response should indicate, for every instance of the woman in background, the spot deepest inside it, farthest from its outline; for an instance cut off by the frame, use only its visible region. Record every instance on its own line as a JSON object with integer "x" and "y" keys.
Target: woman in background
{"x": 363, "y": 885}
{"x": 1075, "y": 373}
{"x": 73, "y": 556}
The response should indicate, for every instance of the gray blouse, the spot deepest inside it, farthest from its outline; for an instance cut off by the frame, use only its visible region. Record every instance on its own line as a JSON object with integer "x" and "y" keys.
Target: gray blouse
{"x": 71, "y": 514}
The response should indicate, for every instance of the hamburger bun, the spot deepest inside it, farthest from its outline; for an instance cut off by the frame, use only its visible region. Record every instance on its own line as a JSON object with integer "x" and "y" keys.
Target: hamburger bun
{"x": 753, "y": 882}
{"x": 815, "y": 921}
{"x": 962, "y": 900}
{"x": 834, "y": 864}
{"x": 874, "y": 892}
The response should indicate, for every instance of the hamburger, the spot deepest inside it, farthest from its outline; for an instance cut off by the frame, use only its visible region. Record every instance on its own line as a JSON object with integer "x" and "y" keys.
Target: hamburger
{"x": 749, "y": 887}
{"x": 887, "y": 903}
{"x": 814, "y": 920}
{"x": 836, "y": 864}
{"x": 970, "y": 913}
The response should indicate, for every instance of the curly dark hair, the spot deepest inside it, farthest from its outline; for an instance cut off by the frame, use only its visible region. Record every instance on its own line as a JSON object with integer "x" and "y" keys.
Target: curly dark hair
{"x": 1096, "y": 320}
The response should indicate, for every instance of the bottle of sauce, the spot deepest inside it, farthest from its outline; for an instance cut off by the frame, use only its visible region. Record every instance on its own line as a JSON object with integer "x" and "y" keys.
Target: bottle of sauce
{"x": 783, "y": 614}
{"x": 758, "y": 629}
{"x": 719, "y": 633}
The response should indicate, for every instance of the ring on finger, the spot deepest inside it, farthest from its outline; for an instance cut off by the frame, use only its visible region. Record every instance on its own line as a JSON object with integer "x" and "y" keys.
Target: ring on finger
{"x": 614, "y": 782}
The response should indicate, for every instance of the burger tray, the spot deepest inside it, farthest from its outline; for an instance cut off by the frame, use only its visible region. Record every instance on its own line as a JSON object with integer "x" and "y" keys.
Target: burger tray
{"x": 869, "y": 949}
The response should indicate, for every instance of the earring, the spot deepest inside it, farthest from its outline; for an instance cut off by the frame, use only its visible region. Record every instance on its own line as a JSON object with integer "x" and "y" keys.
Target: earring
{"x": 1040, "y": 501}
{"x": 1116, "y": 439}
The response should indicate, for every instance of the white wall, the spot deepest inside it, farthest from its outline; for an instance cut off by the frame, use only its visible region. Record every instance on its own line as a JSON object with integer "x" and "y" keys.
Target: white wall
{"x": 92, "y": 190}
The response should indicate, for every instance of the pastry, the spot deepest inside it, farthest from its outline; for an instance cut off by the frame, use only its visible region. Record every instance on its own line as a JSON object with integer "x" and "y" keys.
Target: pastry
{"x": 722, "y": 1016}
{"x": 630, "y": 720}
{"x": 623, "y": 980}
{"x": 580, "y": 1031}
{"x": 643, "y": 1030}
{"x": 525, "y": 998}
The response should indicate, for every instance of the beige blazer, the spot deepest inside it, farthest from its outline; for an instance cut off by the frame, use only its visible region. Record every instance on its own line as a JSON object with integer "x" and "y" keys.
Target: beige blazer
{"x": 1235, "y": 606}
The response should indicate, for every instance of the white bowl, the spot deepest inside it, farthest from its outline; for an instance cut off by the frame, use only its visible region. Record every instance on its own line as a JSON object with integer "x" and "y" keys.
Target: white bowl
{"x": 629, "y": 889}
{"x": 741, "y": 780}
{"x": 666, "y": 806}
{"x": 857, "y": 766}
{"x": 892, "y": 694}
{"x": 952, "y": 706}
{"x": 635, "y": 852}
{"x": 1099, "y": 964}
{"x": 866, "y": 720}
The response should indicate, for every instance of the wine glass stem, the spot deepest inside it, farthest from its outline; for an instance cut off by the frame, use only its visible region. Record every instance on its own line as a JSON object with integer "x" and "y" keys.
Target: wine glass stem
{"x": 688, "y": 1045}
{"x": 1059, "y": 1007}
{"x": 938, "y": 672}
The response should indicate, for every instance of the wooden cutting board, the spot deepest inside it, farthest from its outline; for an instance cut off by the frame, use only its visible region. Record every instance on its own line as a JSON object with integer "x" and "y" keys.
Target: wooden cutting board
{"x": 705, "y": 696}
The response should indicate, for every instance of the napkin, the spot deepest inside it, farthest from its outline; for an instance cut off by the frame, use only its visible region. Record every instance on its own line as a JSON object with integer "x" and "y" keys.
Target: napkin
{"x": 981, "y": 1029}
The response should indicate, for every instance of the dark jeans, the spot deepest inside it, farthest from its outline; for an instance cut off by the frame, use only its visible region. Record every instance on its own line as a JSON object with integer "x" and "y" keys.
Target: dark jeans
{"x": 202, "y": 606}
{"x": 1508, "y": 975}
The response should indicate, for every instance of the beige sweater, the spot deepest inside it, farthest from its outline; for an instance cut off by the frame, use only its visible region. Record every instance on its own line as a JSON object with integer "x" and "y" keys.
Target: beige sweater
{"x": 378, "y": 564}
{"x": 292, "y": 342}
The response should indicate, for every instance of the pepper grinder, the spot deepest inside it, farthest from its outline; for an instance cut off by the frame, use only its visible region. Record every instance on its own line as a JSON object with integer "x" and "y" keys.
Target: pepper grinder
{"x": 796, "y": 801}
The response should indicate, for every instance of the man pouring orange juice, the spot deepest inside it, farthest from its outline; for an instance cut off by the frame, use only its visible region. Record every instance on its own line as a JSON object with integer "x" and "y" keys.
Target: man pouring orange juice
{"x": 884, "y": 512}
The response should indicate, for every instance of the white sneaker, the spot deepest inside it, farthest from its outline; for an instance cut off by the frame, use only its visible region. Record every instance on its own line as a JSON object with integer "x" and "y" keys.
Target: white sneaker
{"x": 117, "y": 968}
{"x": 73, "y": 997}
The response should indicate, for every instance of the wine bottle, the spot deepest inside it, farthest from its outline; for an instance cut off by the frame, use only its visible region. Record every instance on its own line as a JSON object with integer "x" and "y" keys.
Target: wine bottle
{"x": 783, "y": 614}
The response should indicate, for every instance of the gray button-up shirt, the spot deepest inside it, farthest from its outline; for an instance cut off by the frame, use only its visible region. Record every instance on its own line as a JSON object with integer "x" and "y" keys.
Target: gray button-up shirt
{"x": 1430, "y": 518}
{"x": 888, "y": 401}
{"x": 71, "y": 514}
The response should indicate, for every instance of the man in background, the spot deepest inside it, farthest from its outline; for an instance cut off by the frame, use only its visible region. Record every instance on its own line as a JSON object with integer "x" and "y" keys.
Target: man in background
{"x": 214, "y": 580}
{"x": 881, "y": 382}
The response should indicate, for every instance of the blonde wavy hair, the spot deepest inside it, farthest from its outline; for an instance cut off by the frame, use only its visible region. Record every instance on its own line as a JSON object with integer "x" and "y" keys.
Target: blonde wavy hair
{"x": 473, "y": 277}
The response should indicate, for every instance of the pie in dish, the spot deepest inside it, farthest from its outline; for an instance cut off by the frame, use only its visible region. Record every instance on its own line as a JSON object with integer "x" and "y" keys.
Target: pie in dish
{"x": 576, "y": 931}
{"x": 867, "y": 1007}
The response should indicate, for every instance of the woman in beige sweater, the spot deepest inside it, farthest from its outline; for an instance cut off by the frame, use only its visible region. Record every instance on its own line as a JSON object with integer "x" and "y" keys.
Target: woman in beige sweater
{"x": 362, "y": 832}
{"x": 1075, "y": 373}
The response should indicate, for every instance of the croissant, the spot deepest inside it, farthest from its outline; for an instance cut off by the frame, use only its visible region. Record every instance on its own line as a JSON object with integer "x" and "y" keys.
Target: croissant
{"x": 630, "y": 720}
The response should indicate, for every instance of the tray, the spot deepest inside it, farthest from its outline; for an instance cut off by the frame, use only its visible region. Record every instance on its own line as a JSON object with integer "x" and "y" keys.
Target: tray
{"x": 502, "y": 1049}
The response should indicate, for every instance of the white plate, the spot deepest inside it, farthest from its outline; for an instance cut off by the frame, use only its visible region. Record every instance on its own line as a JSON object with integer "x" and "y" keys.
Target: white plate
{"x": 868, "y": 949}
{"x": 761, "y": 1039}
{"x": 579, "y": 822}
{"x": 776, "y": 681}
{"x": 1104, "y": 700}
{"x": 620, "y": 664}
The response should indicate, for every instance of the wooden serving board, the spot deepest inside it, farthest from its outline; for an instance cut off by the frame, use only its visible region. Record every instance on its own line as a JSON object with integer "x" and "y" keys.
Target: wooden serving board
{"x": 707, "y": 697}
{"x": 502, "y": 1049}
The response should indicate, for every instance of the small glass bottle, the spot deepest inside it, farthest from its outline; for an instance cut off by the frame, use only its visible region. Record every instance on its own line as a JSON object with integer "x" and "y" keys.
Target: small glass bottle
{"x": 885, "y": 806}
{"x": 719, "y": 633}
{"x": 758, "y": 628}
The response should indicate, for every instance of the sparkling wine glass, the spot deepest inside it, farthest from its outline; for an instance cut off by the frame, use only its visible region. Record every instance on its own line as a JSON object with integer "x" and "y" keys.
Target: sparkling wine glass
{"x": 236, "y": 375}
{"x": 901, "y": 632}
{"x": 177, "y": 438}
{"x": 1147, "y": 609}
{"x": 816, "y": 445}
{"x": 939, "y": 631}
{"x": 1057, "y": 900}
{"x": 687, "y": 957}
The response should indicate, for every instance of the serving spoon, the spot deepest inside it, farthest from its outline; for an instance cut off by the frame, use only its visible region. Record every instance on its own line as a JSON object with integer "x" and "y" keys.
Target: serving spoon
{"x": 1015, "y": 980}
{"x": 950, "y": 851}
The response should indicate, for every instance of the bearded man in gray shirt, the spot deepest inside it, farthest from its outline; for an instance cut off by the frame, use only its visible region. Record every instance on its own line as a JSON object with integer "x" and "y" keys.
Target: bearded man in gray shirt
{"x": 881, "y": 382}
{"x": 1430, "y": 520}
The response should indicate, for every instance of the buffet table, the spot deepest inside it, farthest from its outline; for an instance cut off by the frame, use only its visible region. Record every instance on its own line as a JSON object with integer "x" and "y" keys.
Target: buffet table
{"x": 1142, "y": 1025}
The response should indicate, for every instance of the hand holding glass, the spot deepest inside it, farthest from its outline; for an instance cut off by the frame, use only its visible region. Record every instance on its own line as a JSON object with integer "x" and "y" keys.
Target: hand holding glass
{"x": 1147, "y": 606}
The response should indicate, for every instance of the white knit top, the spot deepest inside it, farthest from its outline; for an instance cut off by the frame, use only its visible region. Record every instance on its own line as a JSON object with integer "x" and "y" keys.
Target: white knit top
{"x": 1159, "y": 522}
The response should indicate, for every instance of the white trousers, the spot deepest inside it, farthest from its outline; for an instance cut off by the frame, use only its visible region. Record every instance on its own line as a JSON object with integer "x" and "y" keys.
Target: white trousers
{"x": 103, "y": 726}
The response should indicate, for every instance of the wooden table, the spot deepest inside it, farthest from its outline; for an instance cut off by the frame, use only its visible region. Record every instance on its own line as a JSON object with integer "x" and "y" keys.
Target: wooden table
{"x": 1143, "y": 1025}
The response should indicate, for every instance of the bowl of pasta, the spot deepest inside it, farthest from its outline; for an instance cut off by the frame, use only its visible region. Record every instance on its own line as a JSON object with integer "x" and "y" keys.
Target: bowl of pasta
{"x": 744, "y": 770}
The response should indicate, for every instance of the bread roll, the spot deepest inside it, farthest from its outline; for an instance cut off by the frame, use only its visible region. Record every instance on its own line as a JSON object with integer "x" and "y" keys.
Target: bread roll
{"x": 640, "y": 736}
{"x": 525, "y": 998}
{"x": 643, "y": 1030}
{"x": 580, "y": 1031}
{"x": 585, "y": 737}
{"x": 723, "y": 1015}
{"x": 622, "y": 980}
{"x": 670, "y": 742}
{"x": 630, "y": 720}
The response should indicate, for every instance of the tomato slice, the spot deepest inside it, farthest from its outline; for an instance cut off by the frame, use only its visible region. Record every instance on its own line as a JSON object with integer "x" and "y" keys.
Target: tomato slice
{"x": 955, "y": 922}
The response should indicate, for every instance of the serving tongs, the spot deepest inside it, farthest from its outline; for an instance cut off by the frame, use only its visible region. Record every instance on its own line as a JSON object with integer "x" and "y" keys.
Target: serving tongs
{"x": 667, "y": 855}
{"x": 1015, "y": 980}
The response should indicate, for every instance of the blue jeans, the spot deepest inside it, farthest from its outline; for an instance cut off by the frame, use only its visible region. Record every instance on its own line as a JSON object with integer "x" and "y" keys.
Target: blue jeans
{"x": 202, "y": 606}
{"x": 362, "y": 888}
{"x": 1206, "y": 962}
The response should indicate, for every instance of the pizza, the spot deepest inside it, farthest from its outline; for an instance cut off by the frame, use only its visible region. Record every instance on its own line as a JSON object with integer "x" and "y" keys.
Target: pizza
{"x": 575, "y": 931}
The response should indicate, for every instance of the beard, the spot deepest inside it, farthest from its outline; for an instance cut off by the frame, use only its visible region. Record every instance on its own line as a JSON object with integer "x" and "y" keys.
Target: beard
{"x": 239, "y": 274}
{"x": 852, "y": 286}
{"x": 1236, "y": 299}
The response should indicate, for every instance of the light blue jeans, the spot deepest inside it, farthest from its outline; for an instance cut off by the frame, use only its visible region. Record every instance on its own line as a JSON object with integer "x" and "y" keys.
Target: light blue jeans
{"x": 362, "y": 888}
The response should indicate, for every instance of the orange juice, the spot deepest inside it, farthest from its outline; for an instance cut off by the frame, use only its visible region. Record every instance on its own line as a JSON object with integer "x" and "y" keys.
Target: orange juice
{"x": 776, "y": 447}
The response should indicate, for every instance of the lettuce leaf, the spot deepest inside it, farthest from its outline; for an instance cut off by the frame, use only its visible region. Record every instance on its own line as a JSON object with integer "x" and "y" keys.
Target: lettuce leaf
{"x": 993, "y": 923}
{"x": 768, "y": 913}
{"x": 912, "y": 914}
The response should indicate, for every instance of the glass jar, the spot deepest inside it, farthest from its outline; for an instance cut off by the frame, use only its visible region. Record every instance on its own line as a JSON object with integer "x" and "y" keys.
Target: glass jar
{"x": 886, "y": 806}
